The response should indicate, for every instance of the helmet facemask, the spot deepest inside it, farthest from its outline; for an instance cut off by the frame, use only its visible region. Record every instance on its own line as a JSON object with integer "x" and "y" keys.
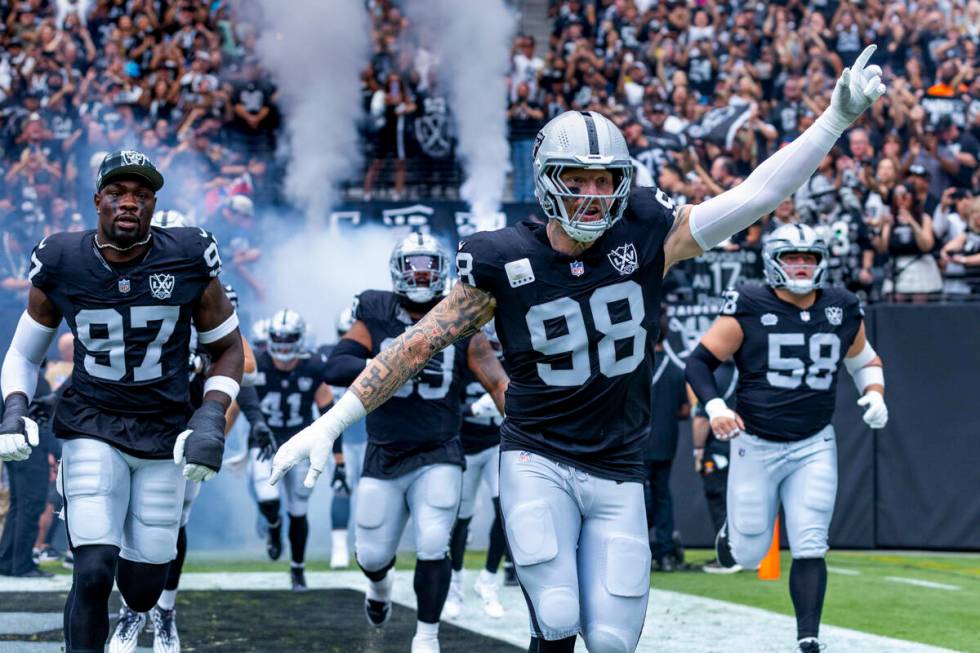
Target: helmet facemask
{"x": 287, "y": 333}
{"x": 555, "y": 196}
{"x": 780, "y": 274}
{"x": 419, "y": 277}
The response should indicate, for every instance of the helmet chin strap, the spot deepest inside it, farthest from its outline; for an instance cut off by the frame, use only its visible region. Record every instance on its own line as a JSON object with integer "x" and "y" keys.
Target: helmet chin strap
{"x": 149, "y": 236}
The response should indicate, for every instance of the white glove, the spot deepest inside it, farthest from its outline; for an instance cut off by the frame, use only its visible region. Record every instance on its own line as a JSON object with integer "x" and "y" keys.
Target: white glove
{"x": 192, "y": 472}
{"x": 314, "y": 443}
{"x": 724, "y": 422}
{"x": 856, "y": 90}
{"x": 15, "y": 447}
{"x": 485, "y": 407}
{"x": 875, "y": 412}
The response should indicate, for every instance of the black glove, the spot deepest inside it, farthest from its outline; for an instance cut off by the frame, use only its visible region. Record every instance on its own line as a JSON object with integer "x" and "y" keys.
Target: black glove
{"x": 339, "y": 482}
{"x": 206, "y": 443}
{"x": 263, "y": 437}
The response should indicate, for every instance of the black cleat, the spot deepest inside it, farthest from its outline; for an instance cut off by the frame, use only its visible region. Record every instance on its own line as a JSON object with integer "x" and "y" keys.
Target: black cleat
{"x": 723, "y": 550}
{"x": 377, "y": 612}
{"x": 809, "y": 645}
{"x": 665, "y": 564}
{"x": 510, "y": 574}
{"x": 298, "y": 577}
{"x": 273, "y": 541}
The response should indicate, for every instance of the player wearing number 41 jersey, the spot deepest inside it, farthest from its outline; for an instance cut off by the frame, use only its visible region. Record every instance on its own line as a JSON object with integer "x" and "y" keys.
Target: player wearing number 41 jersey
{"x": 577, "y": 304}
{"x": 788, "y": 340}
{"x": 129, "y": 293}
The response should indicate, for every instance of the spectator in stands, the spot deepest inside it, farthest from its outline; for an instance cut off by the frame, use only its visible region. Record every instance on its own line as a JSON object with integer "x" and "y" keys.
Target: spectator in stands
{"x": 525, "y": 117}
{"x": 399, "y": 103}
{"x": 961, "y": 255}
{"x": 906, "y": 236}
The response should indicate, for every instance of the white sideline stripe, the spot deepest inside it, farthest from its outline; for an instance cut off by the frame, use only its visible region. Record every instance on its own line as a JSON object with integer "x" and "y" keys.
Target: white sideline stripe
{"x": 922, "y": 583}
{"x": 842, "y": 571}
{"x": 675, "y": 622}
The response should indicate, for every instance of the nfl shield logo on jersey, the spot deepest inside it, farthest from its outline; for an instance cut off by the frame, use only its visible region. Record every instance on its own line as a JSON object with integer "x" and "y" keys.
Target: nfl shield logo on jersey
{"x": 835, "y": 315}
{"x": 304, "y": 383}
{"x": 578, "y": 268}
{"x": 623, "y": 258}
{"x": 124, "y": 286}
{"x": 161, "y": 285}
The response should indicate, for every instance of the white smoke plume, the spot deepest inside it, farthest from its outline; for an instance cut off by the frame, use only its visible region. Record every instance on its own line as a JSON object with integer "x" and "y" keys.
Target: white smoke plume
{"x": 315, "y": 51}
{"x": 472, "y": 40}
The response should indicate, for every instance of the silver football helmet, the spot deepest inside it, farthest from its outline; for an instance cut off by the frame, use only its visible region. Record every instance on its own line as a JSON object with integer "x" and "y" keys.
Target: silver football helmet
{"x": 581, "y": 139}
{"x": 345, "y": 321}
{"x": 165, "y": 219}
{"x": 794, "y": 238}
{"x": 287, "y": 335}
{"x": 419, "y": 268}
{"x": 260, "y": 333}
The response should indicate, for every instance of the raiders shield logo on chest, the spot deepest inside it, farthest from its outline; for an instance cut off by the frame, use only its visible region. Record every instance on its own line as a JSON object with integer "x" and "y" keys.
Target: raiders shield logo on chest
{"x": 162, "y": 286}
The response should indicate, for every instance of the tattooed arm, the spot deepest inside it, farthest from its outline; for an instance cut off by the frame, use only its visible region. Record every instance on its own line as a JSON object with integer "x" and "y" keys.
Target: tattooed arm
{"x": 460, "y": 314}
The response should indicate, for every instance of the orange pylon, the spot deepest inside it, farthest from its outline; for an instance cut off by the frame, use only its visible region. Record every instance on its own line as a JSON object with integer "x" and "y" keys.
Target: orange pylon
{"x": 769, "y": 569}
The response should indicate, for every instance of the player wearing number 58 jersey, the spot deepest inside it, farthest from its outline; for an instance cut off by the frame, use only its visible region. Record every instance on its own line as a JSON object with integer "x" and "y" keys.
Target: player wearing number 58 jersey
{"x": 414, "y": 460}
{"x": 577, "y": 303}
{"x": 129, "y": 293}
{"x": 788, "y": 340}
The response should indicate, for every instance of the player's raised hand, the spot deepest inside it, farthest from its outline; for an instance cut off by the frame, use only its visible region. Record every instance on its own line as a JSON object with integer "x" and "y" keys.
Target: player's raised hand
{"x": 314, "y": 443}
{"x": 875, "y": 410}
{"x": 857, "y": 88}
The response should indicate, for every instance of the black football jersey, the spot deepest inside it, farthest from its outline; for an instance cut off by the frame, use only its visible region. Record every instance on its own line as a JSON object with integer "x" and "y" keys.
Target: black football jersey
{"x": 288, "y": 398}
{"x": 789, "y": 358}
{"x": 132, "y": 328}
{"x": 578, "y": 334}
{"x": 477, "y": 433}
{"x": 420, "y": 424}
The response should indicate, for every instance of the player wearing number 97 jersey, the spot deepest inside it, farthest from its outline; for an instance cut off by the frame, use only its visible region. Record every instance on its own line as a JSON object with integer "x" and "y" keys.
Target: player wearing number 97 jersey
{"x": 129, "y": 293}
{"x": 576, "y": 305}
{"x": 788, "y": 339}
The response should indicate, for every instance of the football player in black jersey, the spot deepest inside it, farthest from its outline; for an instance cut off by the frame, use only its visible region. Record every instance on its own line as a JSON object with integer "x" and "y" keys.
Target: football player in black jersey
{"x": 290, "y": 382}
{"x": 130, "y": 293}
{"x": 480, "y": 435}
{"x": 576, "y": 304}
{"x": 788, "y": 340}
{"x": 414, "y": 458}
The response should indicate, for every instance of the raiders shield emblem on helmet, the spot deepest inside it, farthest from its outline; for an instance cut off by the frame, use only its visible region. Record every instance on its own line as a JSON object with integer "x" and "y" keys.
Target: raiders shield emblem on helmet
{"x": 161, "y": 285}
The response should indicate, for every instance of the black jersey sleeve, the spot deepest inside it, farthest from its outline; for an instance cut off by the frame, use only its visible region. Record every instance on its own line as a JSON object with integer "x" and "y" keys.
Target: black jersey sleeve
{"x": 478, "y": 263}
{"x": 45, "y": 260}
{"x": 739, "y": 303}
{"x": 372, "y": 306}
{"x": 201, "y": 246}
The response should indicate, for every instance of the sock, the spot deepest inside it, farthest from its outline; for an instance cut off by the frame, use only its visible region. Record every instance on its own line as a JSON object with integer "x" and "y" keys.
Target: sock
{"x": 270, "y": 510}
{"x": 498, "y": 540}
{"x": 427, "y": 630}
{"x": 457, "y": 542}
{"x": 379, "y": 590}
{"x": 807, "y": 586}
{"x": 168, "y": 599}
{"x": 487, "y": 578}
{"x": 299, "y": 530}
{"x": 86, "y": 618}
{"x": 177, "y": 564}
{"x": 432, "y": 578}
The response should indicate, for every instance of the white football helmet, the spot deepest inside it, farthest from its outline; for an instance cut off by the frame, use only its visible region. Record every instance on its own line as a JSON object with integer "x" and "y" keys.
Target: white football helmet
{"x": 794, "y": 238}
{"x": 345, "y": 321}
{"x": 581, "y": 139}
{"x": 287, "y": 335}
{"x": 419, "y": 268}
{"x": 165, "y": 219}
{"x": 260, "y": 333}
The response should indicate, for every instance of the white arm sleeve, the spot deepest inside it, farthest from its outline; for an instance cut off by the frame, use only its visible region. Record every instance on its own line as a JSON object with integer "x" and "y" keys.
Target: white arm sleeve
{"x": 774, "y": 180}
{"x": 23, "y": 360}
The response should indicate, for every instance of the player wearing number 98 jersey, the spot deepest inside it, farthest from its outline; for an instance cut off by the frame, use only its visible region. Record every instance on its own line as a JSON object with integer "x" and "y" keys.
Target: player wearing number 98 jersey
{"x": 414, "y": 460}
{"x": 576, "y": 305}
{"x": 788, "y": 339}
{"x": 129, "y": 293}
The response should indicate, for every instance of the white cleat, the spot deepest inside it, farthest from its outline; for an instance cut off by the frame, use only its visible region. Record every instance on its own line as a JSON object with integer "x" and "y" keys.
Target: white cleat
{"x": 128, "y": 629}
{"x": 486, "y": 588}
{"x": 454, "y": 601}
{"x": 339, "y": 556}
{"x": 425, "y": 644}
{"x": 165, "y": 638}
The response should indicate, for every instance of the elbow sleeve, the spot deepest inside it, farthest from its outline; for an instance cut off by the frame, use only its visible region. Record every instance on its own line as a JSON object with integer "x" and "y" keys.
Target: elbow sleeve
{"x": 701, "y": 365}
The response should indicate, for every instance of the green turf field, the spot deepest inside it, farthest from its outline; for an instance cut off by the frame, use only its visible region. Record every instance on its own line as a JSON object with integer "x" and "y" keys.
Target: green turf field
{"x": 860, "y": 594}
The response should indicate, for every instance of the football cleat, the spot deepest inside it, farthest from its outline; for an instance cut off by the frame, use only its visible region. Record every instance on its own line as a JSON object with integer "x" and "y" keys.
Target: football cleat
{"x": 273, "y": 542}
{"x": 723, "y": 550}
{"x": 297, "y": 576}
{"x": 486, "y": 587}
{"x": 712, "y": 567}
{"x": 809, "y": 645}
{"x": 664, "y": 564}
{"x": 425, "y": 644}
{"x": 453, "y": 606}
{"x": 165, "y": 638}
{"x": 128, "y": 629}
{"x": 377, "y": 612}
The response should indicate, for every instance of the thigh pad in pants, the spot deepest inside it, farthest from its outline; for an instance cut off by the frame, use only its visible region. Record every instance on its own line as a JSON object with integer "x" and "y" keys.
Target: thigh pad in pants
{"x": 380, "y": 518}
{"x": 260, "y": 471}
{"x": 94, "y": 481}
{"x": 156, "y": 499}
{"x": 433, "y": 499}
{"x": 296, "y": 494}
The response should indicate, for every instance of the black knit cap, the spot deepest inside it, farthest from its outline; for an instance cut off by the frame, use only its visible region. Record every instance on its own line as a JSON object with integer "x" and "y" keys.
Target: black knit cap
{"x": 128, "y": 163}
